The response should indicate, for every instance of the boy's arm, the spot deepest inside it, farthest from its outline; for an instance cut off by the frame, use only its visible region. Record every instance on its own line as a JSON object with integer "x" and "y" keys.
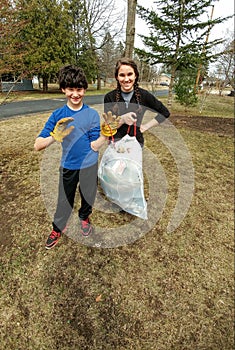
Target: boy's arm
{"x": 97, "y": 144}
{"x": 43, "y": 142}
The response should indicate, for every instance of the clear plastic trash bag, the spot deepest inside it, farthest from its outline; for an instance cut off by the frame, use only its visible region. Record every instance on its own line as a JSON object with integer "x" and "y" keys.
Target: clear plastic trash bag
{"x": 121, "y": 177}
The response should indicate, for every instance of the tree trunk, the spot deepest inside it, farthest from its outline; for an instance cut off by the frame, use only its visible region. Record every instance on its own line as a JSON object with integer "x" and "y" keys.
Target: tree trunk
{"x": 170, "y": 91}
{"x": 130, "y": 28}
{"x": 98, "y": 82}
{"x": 45, "y": 83}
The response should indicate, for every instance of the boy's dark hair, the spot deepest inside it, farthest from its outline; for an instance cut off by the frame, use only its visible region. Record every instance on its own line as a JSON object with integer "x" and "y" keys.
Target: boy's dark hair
{"x": 73, "y": 77}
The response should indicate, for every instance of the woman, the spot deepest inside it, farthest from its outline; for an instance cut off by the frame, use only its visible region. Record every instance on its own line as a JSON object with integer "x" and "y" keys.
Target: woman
{"x": 130, "y": 102}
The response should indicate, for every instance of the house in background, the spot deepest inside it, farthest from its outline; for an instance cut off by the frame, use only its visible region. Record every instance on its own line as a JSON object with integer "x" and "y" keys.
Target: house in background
{"x": 9, "y": 82}
{"x": 164, "y": 79}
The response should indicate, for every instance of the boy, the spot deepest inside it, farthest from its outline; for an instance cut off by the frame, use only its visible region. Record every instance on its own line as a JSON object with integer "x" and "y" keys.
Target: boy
{"x": 80, "y": 144}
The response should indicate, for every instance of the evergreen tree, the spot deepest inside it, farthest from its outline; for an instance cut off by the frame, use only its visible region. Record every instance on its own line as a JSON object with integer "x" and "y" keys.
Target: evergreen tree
{"x": 184, "y": 88}
{"x": 37, "y": 37}
{"x": 109, "y": 53}
{"x": 177, "y": 35}
{"x": 12, "y": 51}
{"x": 120, "y": 49}
{"x": 83, "y": 42}
{"x": 47, "y": 36}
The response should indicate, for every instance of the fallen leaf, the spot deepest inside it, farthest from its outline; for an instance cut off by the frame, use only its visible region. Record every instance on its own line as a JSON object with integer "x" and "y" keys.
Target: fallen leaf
{"x": 98, "y": 298}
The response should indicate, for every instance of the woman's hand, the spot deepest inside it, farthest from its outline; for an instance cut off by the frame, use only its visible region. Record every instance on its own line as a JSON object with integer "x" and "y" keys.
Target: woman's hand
{"x": 128, "y": 118}
{"x": 143, "y": 128}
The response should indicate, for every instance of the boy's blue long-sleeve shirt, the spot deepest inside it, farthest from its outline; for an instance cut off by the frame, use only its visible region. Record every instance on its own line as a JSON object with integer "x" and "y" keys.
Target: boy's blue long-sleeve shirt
{"x": 76, "y": 148}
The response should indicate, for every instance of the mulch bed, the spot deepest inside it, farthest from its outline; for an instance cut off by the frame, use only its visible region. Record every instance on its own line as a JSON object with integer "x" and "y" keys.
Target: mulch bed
{"x": 217, "y": 125}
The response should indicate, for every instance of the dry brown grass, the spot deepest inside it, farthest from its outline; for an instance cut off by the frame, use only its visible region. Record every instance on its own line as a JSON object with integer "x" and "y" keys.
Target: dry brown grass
{"x": 163, "y": 292}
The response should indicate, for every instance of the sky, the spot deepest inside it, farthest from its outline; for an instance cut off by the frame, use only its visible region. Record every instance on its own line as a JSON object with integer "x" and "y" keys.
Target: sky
{"x": 222, "y": 8}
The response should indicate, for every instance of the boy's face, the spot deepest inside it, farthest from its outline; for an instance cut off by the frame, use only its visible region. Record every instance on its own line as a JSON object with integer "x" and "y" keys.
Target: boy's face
{"x": 74, "y": 97}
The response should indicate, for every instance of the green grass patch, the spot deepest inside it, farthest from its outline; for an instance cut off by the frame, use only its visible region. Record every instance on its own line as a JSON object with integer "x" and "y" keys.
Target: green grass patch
{"x": 209, "y": 106}
{"x": 38, "y": 94}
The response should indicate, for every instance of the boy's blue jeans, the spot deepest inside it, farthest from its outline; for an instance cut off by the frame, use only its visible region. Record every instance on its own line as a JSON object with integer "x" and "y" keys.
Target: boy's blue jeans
{"x": 68, "y": 181}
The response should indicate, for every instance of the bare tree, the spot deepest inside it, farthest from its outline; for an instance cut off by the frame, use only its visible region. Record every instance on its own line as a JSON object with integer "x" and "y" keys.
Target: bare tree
{"x": 130, "y": 28}
{"x": 224, "y": 69}
{"x": 95, "y": 19}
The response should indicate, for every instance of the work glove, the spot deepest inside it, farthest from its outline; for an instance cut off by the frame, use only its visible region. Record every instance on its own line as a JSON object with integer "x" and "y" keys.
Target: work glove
{"x": 61, "y": 131}
{"x": 109, "y": 127}
{"x": 129, "y": 118}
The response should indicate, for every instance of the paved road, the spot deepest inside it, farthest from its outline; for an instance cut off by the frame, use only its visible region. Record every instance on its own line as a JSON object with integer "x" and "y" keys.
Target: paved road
{"x": 45, "y": 105}
{"x": 39, "y": 106}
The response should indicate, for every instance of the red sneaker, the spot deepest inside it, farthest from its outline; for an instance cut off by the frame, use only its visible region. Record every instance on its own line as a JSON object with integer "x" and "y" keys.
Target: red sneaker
{"x": 53, "y": 239}
{"x": 86, "y": 228}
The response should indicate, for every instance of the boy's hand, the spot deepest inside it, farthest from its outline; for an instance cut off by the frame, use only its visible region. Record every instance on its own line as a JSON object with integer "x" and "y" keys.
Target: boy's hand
{"x": 109, "y": 127}
{"x": 60, "y": 131}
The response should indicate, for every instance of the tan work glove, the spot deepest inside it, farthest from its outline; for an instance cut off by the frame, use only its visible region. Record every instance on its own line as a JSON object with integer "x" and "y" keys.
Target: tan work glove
{"x": 109, "y": 127}
{"x": 60, "y": 131}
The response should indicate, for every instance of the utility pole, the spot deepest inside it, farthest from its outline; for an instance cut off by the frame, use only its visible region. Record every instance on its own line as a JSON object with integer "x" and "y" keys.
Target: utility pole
{"x": 130, "y": 28}
{"x": 204, "y": 48}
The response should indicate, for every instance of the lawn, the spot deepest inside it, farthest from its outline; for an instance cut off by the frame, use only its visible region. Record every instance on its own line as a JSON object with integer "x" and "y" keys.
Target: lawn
{"x": 163, "y": 291}
{"x": 38, "y": 94}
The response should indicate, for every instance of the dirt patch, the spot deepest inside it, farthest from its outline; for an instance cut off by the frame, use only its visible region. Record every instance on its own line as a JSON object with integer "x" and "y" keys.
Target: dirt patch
{"x": 217, "y": 125}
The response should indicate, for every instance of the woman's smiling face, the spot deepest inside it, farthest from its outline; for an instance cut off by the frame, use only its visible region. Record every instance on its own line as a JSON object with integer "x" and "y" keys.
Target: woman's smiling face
{"x": 126, "y": 78}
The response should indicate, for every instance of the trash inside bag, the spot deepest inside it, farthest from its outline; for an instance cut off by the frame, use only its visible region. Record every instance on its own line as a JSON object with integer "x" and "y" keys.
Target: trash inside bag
{"x": 121, "y": 177}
